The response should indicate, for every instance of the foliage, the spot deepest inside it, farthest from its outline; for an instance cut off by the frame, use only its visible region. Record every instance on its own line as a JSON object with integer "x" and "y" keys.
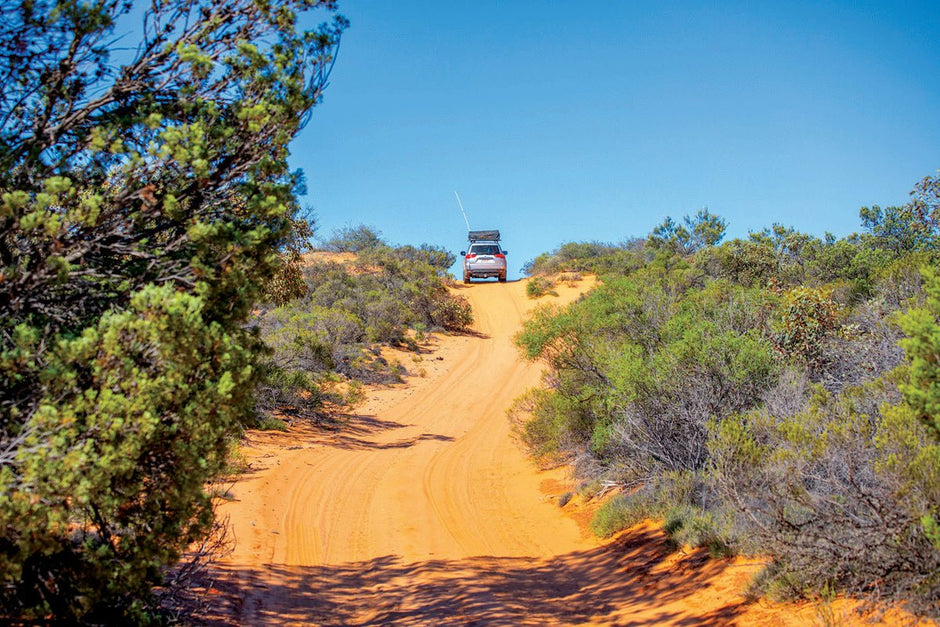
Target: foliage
{"x": 390, "y": 290}
{"x": 898, "y": 229}
{"x": 922, "y": 345}
{"x": 654, "y": 499}
{"x": 323, "y": 343}
{"x": 142, "y": 208}
{"x": 450, "y": 311}
{"x": 639, "y": 367}
{"x": 745, "y": 262}
{"x": 593, "y": 257}
{"x": 912, "y": 227}
{"x": 617, "y": 514}
{"x": 357, "y": 239}
{"x": 434, "y": 256}
{"x": 288, "y": 281}
{"x": 696, "y": 232}
{"x": 537, "y": 287}
{"x": 808, "y": 318}
{"x": 269, "y": 423}
{"x": 922, "y": 390}
{"x": 550, "y": 433}
{"x": 836, "y": 492}
{"x": 753, "y": 395}
{"x": 787, "y": 259}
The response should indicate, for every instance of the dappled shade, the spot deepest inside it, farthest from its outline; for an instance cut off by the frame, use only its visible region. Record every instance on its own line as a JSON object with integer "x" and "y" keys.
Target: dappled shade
{"x": 637, "y": 574}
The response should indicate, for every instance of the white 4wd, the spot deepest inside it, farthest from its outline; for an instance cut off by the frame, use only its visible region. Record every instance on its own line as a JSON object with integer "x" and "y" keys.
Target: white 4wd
{"x": 485, "y": 258}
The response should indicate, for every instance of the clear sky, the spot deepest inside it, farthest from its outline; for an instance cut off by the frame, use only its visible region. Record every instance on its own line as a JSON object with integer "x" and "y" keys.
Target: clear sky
{"x": 594, "y": 120}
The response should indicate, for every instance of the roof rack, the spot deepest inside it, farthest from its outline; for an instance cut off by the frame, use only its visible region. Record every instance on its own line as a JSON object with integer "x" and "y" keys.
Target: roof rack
{"x": 479, "y": 236}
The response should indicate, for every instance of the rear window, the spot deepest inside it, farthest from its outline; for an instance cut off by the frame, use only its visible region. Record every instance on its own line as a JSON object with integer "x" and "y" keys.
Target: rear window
{"x": 484, "y": 249}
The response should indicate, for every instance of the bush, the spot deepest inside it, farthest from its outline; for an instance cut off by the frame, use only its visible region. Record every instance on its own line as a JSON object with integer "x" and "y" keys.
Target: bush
{"x": 593, "y": 257}
{"x": 617, "y": 514}
{"x": 539, "y": 286}
{"x": 751, "y": 395}
{"x": 269, "y": 423}
{"x": 637, "y": 372}
{"x": 808, "y": 319}
{"x": 836, "y": 493}
{"x": 358, "y": 239}
{"x": 452, "y": 312}
{"x": 392, "y": 296}
{"x": 687, "y": 525}
{"x": 542, "y": 423}
{"x": 142, "y": 211}
{"x": 395, "y": 290}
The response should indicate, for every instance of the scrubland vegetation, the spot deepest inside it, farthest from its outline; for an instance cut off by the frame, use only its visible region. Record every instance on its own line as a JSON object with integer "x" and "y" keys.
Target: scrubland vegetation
{"x": 774, "y": 395}
{"x": 154, "y": 294}
{"x": 143, "y": 207}
{"x": 325, "y": 343}
{"x": 147, "y": 212}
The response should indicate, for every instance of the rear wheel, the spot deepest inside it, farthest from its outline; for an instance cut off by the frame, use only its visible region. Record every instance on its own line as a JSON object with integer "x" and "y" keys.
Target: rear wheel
{"x": 466, "y": 277}
{"x": 502, "y": 278}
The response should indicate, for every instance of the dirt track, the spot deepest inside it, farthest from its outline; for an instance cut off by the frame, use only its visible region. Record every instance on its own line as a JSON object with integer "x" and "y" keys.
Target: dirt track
{"x": 422, "y": 511}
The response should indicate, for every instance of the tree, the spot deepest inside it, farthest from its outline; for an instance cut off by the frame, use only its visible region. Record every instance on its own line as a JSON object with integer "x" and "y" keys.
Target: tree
{"x": 922, "y": 390}
{"x": 142, "y": 206}
{"x": 288, "y": 282}
{"x": 354, "y": 239}
{"x": 922, "y": 347}
{"x": 701, "y": 230}
{"x": 915, "y": 226}
{"x": 808, "y": 318}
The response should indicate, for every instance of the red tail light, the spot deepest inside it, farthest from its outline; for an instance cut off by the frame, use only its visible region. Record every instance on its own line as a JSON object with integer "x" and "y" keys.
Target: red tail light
{"x": 471, "y": 255}
{"x": 500, "y": 256}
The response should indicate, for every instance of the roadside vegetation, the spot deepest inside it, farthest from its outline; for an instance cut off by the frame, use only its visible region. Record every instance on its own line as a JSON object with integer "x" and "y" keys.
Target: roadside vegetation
{"x": 155, "y": 300}
{"x": 145, "y": 196}
{"x": 774, "y": 395}
{"x": 326, "y": 342}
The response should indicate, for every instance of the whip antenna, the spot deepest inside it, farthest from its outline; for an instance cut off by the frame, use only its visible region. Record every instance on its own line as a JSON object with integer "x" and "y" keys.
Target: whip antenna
{"x": 462, "y": 212}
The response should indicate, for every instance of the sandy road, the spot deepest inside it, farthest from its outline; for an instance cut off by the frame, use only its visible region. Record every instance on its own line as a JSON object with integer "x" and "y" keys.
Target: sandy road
{"x": 422, "y": 511}
{"x": 433, "y": 469}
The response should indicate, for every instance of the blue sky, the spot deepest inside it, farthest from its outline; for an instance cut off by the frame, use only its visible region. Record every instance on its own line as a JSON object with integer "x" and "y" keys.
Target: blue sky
{"x": 594, "y": 120}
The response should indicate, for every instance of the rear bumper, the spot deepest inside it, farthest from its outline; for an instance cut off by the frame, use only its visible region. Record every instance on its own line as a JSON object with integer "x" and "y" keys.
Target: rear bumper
{"x": 485, "y": 274}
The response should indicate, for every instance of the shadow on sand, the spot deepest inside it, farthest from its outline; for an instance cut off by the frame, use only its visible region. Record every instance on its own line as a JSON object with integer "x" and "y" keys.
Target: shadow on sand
{"x": 590, "y": 586}
{"x": 358, "y": 431}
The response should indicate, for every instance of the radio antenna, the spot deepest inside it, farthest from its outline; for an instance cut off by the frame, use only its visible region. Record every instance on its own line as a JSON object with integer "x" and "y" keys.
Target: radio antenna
{"x": 462, "y": 212}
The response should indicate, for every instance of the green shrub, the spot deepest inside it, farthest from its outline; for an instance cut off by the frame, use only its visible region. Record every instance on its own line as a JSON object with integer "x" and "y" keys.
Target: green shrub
{"x": 537, "y": 287}
{"x": 269, "y": 423}
{"x": 144, "y": 208}
{"x": 922, "y": 346}
{"x": 639, "y": 368}
{"x": 695, "y": 232}
{"x": 452, "y": 312}
{"x": 592, "y": 257}
{"x": 688, "y": 525}
{"x": 395, "y": 294}
{"x": 542, "y": 423}
{"x": 808, "y": 318}
{"x": 618, "y": 513}
{"x": 856, "y": 474}
{"x": 357, "y": 239}
{"x": 751, "y": 395}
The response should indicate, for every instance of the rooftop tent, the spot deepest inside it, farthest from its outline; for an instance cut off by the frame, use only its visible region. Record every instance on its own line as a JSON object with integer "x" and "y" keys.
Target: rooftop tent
{"x": 479, "y": 236}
